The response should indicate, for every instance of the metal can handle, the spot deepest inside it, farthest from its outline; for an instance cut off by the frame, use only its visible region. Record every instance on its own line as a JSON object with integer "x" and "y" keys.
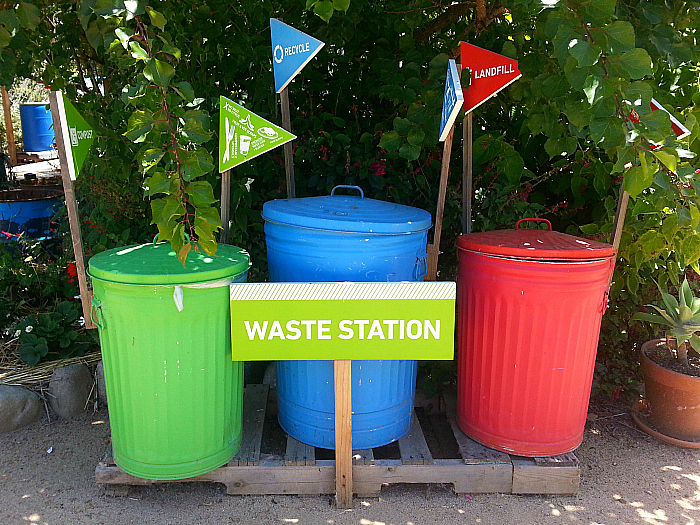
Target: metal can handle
{"x": 95, "y": 305}
{"x": 349, "y": 187}
{"x": 549, "y": 224}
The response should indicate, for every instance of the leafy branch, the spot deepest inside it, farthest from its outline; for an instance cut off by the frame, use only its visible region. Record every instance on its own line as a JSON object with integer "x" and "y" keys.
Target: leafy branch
{"x": 170, "y": 128}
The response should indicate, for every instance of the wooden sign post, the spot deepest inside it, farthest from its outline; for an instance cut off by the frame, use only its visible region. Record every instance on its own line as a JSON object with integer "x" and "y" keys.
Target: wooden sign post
{"x": 451, "y": 106}
{"x": 60, "y": 127}
{"x": 291, "y": 51}
{"x": 9, "y": 129}
{"x": 489, "y": 74}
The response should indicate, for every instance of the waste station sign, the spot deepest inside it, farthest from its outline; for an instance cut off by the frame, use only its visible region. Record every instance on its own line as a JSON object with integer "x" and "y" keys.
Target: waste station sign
{"x": 453, "y": 101}
{"x": 77, "y": 133}
{"x": 490, "y": 73}
{"x": 243, "y": 135}
{"x": 291, "y": 51}
{"x": 343, "y": 320}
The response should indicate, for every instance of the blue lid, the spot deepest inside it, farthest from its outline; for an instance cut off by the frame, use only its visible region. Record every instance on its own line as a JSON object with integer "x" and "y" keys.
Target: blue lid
{"x": 347, "y": 213}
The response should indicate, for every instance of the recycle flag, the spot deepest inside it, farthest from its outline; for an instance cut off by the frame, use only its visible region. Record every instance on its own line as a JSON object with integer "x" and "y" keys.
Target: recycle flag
{"x": 291, "y": 51}
{"x": 243, "y": 135}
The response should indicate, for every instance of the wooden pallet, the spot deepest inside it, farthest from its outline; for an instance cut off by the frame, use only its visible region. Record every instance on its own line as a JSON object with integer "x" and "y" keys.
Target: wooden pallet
{"x": 477, "y": 469}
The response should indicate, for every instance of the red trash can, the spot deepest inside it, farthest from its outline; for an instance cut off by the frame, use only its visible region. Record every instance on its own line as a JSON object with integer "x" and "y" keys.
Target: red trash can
{"x": 530, "y": 304}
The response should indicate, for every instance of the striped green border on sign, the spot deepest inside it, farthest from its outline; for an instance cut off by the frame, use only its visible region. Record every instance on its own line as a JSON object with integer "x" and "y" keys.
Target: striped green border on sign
{"x": 344, "y": 320}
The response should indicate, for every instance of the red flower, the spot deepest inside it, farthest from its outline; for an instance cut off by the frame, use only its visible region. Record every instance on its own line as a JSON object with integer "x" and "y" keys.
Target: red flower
{"x": 72, "y": 271}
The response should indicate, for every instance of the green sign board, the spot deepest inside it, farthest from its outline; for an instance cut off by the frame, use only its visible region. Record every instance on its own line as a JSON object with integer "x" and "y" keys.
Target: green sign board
{"x": 244, "y": 135}
{"x": 343, "y": 320}
{"x": 80, "y": 136}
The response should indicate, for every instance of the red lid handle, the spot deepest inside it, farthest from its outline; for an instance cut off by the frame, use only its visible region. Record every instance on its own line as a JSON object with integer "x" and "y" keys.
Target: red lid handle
{"x": 549, "y": 224}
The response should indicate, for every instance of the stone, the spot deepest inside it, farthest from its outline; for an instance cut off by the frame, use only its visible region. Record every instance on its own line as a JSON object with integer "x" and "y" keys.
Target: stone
{"x": 69, "y": 390}
{"x": 101, "y": 386}
{"x": 19, "y": 407}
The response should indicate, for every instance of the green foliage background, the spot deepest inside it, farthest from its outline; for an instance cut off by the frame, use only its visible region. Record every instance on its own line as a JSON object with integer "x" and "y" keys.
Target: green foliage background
{"x": 560, "y": 143}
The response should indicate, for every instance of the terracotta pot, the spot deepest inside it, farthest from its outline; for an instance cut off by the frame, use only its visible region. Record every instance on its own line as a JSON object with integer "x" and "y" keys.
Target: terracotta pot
{"x": 674, "y": 398}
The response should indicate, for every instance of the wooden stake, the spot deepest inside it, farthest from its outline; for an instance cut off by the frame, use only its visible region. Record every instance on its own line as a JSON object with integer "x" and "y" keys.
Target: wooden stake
{"x": 288, "y": 155}
{"x": 71, "y": 206}
{"x": 619, "y": 220}
{"x": 225, "y": 205}
{"x": 9, "y": 129}
{"x": 343, "y": 433}
{"x": 467, "y": 173}
{"x": 434, "y": 248}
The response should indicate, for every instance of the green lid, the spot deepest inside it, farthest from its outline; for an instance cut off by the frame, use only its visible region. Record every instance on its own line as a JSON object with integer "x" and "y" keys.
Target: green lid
{"x": 153, "y": 264}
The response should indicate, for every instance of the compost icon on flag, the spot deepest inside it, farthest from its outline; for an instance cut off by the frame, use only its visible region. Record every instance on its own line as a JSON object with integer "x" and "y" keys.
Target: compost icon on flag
{"x": 244, "y": 135}
{"x": 490, "y": 73}
{"x": 291, "y": 51}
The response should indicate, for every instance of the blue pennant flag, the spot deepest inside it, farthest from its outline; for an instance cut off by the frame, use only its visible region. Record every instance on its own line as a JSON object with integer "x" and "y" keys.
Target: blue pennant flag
{"x": 453, "y": 101}
{"x": 291, "y": 51}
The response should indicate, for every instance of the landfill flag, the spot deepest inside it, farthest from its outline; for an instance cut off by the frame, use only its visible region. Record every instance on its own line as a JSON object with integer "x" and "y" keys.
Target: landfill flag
{"x": 291, "y": 51}
{"x": 244, "y": 135}
{"x": 490, "y": 73}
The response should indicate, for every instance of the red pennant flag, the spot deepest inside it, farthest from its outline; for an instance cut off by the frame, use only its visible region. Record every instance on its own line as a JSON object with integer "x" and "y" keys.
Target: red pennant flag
{"x": 490, "y": 73}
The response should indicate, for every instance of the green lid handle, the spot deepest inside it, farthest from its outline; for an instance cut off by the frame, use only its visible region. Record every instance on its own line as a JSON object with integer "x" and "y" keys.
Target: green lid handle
{"x": 155, "y": 239}
{"x": 349, "y": 187}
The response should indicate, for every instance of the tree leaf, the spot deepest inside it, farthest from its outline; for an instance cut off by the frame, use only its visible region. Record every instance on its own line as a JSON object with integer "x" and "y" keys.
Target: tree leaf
{"x": 584, "y": 53}
{"x": 28, "y": 15}
{"x": 667, "y": 159}
{"x": 194, "y": 132}
{"x": 138, "y": 52}
{"x": 157, "y": 19}
{"x": 637, "y": 63}
{"x": 636, "y": 182}
{"x": 390, "y": 141}
{"x": 159, "y": 72}
{"x": 140, "y": 123}
{"x": 416, "y": 136}
{"x": 409, "y": 152}
{"x": 341, "y": 5}
{"x": 210, "y": 215}
{"x": 620, "y": 36}
{"x": 324, "y": 9}
{"x": 201, "y": 193}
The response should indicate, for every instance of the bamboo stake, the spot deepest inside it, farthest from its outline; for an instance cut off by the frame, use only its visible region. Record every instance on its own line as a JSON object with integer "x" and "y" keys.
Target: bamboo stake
{"x": 343, "y": 433}
{"x": 225, "y": 205}
{"x": 434, "y": 248}
{"x": 619, "y": 220}
{"x": 288, "y": 155}
{"x": 467, "y": 173}
{"x": 10, "y": 130}
{"x": 71, "y": 206}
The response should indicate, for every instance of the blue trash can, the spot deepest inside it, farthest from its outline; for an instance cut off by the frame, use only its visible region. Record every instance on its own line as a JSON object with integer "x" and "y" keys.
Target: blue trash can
{"x": 37, "y": 126}
{"x": 345, "y": 238}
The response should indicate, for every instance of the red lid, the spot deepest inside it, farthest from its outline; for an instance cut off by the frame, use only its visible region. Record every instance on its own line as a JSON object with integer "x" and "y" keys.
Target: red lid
{"x": 534, "y": 244}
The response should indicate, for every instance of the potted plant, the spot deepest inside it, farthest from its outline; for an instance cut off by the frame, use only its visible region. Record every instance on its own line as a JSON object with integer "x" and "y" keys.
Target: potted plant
{"x": 671, "y": 368}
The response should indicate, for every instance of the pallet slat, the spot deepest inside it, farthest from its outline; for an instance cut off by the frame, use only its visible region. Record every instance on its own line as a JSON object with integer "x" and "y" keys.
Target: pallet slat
{"x": 477, "y": 470}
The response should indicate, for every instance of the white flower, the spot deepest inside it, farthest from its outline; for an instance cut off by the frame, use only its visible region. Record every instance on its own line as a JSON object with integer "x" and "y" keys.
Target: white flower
{"x": 17, "y": 333}
{"x": 29, "y": 328}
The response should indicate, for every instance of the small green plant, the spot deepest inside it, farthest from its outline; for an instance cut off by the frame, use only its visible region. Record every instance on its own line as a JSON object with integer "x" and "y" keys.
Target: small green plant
{"x": 682, "y": 319}
{"x": 53, "y": 335}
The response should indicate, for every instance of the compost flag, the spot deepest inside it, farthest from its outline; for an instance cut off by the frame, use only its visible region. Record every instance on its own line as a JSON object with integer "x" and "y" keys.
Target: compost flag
{"x": 77, "y": 135}
{"x": 244, "y": 135}
{"x": 490, "y": 73}
{"x": 453, "y": 100}
{"x": 291, "y": 51}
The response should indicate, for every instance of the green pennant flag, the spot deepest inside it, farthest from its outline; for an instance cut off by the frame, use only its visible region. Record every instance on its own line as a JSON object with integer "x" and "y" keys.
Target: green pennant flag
{"x": 244, "y": 135}
{"x": 80, "y": 135}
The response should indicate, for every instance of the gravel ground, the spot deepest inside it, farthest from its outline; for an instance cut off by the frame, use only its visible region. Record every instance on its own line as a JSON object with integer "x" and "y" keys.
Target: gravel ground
{"x": 627, "y": 477}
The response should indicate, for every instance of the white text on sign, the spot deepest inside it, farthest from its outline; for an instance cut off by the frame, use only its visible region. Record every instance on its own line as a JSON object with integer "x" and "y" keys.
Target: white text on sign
{"x": 361, "y": 329}
{"x": 494, "y": 71}
{"x": 279, "y": 52}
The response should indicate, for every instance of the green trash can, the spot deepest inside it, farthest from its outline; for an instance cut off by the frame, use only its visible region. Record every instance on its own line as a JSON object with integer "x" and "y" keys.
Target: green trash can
{"x": 174, "y": 394}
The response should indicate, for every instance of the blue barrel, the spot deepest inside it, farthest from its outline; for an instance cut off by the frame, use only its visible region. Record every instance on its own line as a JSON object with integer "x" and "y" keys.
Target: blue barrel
{"x": 27, "y": 212}
{"x": 345, "y": 238}
{"x": 37, "y": 126}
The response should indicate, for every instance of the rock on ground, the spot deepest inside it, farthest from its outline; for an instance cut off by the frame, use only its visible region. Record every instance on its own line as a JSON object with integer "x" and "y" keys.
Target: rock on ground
{"x": 101, "y": 387}
{"x": 69, "y": 389}
{"x": 19, "y": 407}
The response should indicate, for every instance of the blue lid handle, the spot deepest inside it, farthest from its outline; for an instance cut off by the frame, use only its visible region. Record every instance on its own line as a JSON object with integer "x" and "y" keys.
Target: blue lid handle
{"x": 349, "y": 187}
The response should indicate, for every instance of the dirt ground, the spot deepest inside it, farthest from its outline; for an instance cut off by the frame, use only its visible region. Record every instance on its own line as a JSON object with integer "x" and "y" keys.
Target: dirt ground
{"x": 47, "y": 477}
